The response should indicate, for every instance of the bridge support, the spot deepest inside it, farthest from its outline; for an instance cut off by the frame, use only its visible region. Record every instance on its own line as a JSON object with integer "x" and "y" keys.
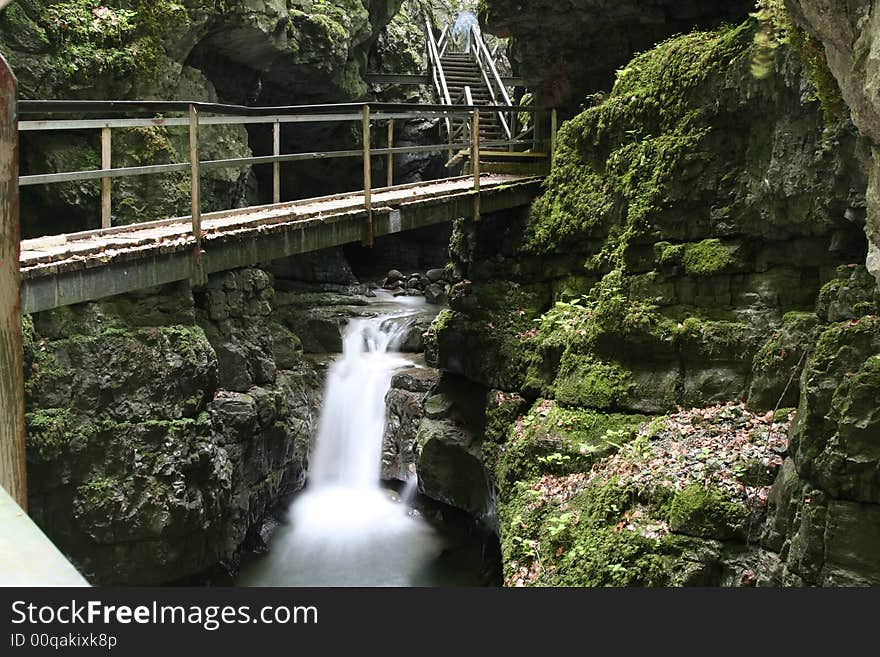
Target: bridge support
{"x": 12, "y": 456}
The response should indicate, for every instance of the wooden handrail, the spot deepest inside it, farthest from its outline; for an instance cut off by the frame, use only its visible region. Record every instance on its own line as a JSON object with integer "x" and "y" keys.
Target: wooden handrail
{"x": 195, "y": 121}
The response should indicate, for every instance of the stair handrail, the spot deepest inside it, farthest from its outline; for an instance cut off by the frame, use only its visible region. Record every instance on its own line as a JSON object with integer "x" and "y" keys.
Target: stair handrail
{"x": 437, "y": 66}
{"x": 485, "y": 60}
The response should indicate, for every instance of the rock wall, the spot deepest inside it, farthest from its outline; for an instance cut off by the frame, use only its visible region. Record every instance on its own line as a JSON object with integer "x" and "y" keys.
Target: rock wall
{"x": 696, "y": 259}
{"x": 850, "y": 33}
{"x": 163, "y": 426}
{"x": 566, "y": 50}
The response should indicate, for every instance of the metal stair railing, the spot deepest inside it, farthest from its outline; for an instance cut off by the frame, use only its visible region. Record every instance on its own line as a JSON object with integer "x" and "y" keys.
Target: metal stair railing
{"x": 437, "y": 73}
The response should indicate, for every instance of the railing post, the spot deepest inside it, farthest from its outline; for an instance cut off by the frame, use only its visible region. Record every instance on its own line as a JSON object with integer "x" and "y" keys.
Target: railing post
{"x": 390, "y": 154}
{"x": 450, "y": 130}
{"x": 513, "y": 130}
{"x": 13, "y": 470}
{"x": 554, "y": 126}
{"x": 368, "y": 179}
{"x": 276, "y": 166}
{"x": 106, "y": 163}
{"x": 195, "y": 194}
{"x": 475, "y": 160}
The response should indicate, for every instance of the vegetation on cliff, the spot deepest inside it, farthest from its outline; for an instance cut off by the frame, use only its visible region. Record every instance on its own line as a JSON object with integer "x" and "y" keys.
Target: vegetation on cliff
{"x": 683, "y": 240}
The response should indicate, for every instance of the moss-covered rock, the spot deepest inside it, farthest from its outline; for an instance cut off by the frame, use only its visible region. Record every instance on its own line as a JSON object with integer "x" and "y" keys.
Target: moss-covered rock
{"x": 777, "y": 366}
{"x": 140, "y": 467}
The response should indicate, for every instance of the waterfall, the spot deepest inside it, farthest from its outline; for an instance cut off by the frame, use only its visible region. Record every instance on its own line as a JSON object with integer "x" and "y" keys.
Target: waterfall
{"x": 348, "y": 452}
{"x": 345, "y": 530}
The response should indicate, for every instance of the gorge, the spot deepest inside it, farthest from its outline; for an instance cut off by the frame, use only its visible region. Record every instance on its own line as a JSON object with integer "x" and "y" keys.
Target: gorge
{"x": 663, "y": 372}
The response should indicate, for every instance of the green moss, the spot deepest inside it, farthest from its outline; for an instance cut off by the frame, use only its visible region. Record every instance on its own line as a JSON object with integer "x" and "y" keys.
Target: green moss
{"x": 705, "y": 513}
{"x": 698, "y": 338}
{"x": 777, "y": 28}
{"x": 440, "y": 324}
{"x": 617, "y": 163}
{"x": 97, "y": 488}
{"x": 554, "y": 440}
{"x": 839, "y": 341}
{"x": 51, "y": 431}
{"x": 706, "y": 258}
{"x": 584, "y": 541}
{"x": 590, "y": 382}
{"x": 93, "y": 38}
{"x": 502, "y": 410}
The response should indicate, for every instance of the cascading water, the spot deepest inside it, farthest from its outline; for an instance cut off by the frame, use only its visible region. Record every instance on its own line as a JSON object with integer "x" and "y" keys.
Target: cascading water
{"x": 345, "y": 530}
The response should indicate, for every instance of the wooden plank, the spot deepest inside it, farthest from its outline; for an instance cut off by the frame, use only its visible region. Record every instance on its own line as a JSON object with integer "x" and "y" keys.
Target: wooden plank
{"x": 195, "y": 194}
{"x": 27, "y": 556}
{"x": 506, "y": 155}
{"x": 13, "y": 471}
{"x": 368, "y": 179}
{"x": 106, "y": 164}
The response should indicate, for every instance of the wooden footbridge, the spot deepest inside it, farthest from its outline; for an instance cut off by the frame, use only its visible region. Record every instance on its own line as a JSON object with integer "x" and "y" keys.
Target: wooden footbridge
{"x": 66, "y": 269}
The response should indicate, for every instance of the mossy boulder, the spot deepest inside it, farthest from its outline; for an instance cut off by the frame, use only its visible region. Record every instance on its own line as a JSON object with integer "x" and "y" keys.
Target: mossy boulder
{"x": 626, "y": 501}
{"x": 450, "y": 468}
{"x": 553, "y": 439}
{"x": 850, "y": 294}
{"x": 484, "y": 335}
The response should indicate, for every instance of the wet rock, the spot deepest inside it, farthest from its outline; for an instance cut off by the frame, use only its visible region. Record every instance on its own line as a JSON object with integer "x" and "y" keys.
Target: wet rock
{"x": 438, "y": 407}
{"x": 435, "y": 275}
{"x": 404, "y": 402}
{"x": 450, "y": 467}
{"x": 435, "y": 294}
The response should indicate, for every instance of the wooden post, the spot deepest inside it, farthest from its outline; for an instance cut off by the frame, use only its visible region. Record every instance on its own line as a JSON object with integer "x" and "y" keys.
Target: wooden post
{"x": 106, "y": 163}
{"x": 390, "y": 155}
{"x": 13, "y": 471}
{"x": 276, "y": 166}
{"x": 450, "y": 131}
{"x": 368, "y": 179}
{"x": 475, "y": 160}
{"x": 195, "y": 194}
{"x": 554, "y": 126}
{"x": 513, "y": 131}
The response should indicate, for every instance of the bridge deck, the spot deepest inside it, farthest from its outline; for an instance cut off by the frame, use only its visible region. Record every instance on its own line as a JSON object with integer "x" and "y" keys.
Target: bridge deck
{"x": 67, "y": 269}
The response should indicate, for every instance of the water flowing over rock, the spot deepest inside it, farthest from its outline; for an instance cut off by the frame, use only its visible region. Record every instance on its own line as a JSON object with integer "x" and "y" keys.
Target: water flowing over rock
{"x": 345, "y": 530}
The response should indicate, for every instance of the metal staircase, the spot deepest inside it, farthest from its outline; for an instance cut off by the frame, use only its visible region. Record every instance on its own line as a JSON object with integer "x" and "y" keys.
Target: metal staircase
{"x": 470, "y": 77}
